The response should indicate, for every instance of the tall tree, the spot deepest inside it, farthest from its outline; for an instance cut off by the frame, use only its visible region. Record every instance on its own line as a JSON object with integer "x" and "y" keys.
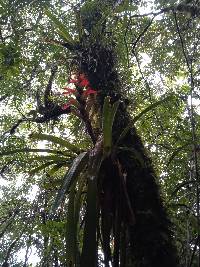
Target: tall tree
{"x": 108, "y": 201}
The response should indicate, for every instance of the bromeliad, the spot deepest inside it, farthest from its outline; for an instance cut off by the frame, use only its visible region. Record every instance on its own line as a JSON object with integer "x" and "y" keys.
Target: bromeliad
{"x": 80, "y": 82}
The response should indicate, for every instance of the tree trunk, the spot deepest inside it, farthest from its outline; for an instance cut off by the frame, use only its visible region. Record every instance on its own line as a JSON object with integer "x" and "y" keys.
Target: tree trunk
{"x": 131, "y": 205}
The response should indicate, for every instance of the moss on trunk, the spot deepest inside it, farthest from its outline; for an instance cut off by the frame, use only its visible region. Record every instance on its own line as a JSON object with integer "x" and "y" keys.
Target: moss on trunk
{"x": 132, "y": 211}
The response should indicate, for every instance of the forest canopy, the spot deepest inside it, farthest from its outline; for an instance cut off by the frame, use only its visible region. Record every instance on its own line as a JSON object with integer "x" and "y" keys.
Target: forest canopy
{"x": 99, "y": 133}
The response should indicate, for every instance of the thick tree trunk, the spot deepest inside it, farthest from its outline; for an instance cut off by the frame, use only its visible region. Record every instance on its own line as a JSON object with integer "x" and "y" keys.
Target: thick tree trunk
{"x": 151, "y": 236}
{"x": 142, "y": 233}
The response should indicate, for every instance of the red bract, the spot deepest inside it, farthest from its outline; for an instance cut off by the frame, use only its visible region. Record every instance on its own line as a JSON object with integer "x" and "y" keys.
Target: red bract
{"x": 84, "y": 83}
{"x": 81, "y": 81}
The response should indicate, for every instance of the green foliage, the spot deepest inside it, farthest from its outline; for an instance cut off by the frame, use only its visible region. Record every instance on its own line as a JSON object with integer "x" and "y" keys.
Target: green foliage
{"x": 70, "y": 178}
{"x": 90, "y": 245}
{"x": 9, "y": 59}
{"x": 55, "y": 140}
{"x": 143, "y": 112}
{"x": 158, "y": 85}
{"x": 61, "y": 28}
{"x": 71, "y": 229}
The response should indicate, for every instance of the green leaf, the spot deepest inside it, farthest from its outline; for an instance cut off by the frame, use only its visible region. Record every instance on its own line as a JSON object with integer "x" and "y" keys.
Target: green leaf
{"x": 89, "y": 250}
{"x": 55, "y": 140}
{"x": 142, "y": 113}
{"x": 81, "y": 184}
{"x": 61, "y": 28}
{"x": 109, "y": 112}
{"x": 78, "y": 165}
{"x": 29, "y": 150}
{"x": 41, "y": 167}
{"x": 88, "y": 256}
{"x": 70, "y": 229}
{"x": 55, "y": 168}
{"x": 54, "y": 158}
{"x": 73, "y": 210}
{"x": 151, "y": 107}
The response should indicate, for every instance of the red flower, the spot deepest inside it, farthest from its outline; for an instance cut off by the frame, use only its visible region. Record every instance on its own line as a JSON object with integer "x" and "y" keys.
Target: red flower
{"x": 89, "y": 91}
{"x": 81, "y": 80}
{"x": 84, "y": 83}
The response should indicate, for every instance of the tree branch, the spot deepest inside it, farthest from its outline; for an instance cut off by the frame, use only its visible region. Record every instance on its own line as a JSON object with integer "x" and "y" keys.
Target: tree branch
{"x": 142, "y": 34}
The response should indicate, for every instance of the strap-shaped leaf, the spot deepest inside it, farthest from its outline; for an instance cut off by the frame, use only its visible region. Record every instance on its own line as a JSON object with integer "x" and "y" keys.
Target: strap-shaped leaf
{"x": 61, "y": 28}
{"x": 143, "y": 112}
{"x": 151, "y": 107}
{"x": 89, "y": 250}
{"x": 78, "y": 165}
{"x": 81, "y": 183}
{"x": 41, "y": 167}
{"x": 70, "y": 229}
{"x": 7, "y": 151}
{"x": 54, "y": 158}
{"x": 109, "y": 112}
{"x": 55, "y": 140}
{"x": 73, "y": 210}
{"x": 55, "y": 168}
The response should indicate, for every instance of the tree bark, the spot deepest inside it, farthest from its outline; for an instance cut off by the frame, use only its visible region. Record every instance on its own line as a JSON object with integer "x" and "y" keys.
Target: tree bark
{"x": 148, "y": 236}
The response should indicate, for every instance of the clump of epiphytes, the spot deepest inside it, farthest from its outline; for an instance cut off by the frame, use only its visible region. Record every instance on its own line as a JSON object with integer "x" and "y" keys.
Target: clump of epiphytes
{"x": 81, "y": 87}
